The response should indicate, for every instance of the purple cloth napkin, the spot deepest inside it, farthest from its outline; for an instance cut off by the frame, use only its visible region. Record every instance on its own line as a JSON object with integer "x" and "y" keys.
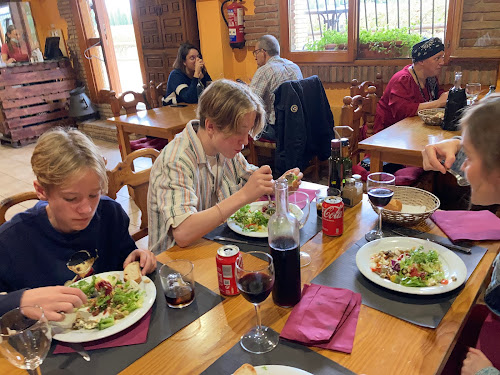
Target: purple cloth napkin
{"x": 468, "y": 225}
{"x": 135, "y": 334}
{"x": 325, "y": 317}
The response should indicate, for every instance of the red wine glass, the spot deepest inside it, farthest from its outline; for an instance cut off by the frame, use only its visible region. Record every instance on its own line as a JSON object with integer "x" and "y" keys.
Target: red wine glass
{"x": 255, "y": 280}
{"x": 380, "y": 188}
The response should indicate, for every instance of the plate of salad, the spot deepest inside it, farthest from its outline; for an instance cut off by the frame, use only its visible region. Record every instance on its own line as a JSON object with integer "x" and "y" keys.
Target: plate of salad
{"x": 411, "y": 265}
{"x": 251, "y": 220}
{"x": 112, "y": 306}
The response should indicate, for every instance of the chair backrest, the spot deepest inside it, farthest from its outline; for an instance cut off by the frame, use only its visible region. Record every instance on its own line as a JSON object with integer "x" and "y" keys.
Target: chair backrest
{"x": 12, "y": 201}
{"x": 124, "y": 174}
{"x": 123, "y": 101}
{"x": 362, "y": 88}
{"x": 155, "y": 93}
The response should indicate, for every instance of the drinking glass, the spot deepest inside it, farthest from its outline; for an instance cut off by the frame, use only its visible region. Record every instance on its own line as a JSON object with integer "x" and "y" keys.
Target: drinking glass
{"x": 472, "y": 91}
{"x": 255, "y": 280}
{"x": 380, "y": 188}
{"x": 25, "y": 337}
{"x": 299, "y": 206}
{"x": 177, "y": 280}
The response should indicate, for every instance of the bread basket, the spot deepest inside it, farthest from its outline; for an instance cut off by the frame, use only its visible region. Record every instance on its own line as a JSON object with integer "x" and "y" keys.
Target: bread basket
{"x": 434, "y": 116}
{"x": 410, "y": 196}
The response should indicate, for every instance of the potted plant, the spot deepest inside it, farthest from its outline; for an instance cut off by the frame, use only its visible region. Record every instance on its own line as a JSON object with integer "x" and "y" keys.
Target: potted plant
{"x": 386, "y": 43}
{"x": 331, "y": 40}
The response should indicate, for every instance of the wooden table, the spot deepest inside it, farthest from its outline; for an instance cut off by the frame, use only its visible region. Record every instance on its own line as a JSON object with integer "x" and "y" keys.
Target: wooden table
{"x": 164, "y": 122}
{"x": 383, "y": 344}
{"x": 401, "y": 143}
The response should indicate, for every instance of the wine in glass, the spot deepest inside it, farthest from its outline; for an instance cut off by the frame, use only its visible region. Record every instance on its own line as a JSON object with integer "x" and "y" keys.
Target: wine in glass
{"x": 380, "y": 188}
{"x": 25, "y": 337}
{"x": 472, "y": 91}
{"x": 299, "y": 206}
{"x": 255, "y": 280}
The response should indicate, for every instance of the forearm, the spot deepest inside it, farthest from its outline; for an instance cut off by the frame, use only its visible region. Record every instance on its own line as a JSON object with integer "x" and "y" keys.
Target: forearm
{"x": 201, "y": 223}
{"x": 429, "y": 105}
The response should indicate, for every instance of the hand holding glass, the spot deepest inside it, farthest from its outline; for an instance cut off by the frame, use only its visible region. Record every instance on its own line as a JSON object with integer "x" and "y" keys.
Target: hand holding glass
{"x": 25, "y": 337}
{"x": 255, "y": 280}
{"x": 380, "y": 188}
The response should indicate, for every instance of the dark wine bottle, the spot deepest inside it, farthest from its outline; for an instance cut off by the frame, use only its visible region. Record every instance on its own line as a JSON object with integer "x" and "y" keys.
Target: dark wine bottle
{"x": 284, "y": 243}
{"x": 336, "y": 174}
{"x": 457, "y": 101}
{"x": 346, "y": 160}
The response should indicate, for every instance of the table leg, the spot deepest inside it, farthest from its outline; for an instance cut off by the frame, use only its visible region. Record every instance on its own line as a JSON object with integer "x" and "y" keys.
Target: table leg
{"x": 376, "y": 164}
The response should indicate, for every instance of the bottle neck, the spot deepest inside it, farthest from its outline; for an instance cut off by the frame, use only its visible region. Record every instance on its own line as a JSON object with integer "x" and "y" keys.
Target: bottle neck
{"x": 458, "y": 80}
{"x": 281, "y": 195}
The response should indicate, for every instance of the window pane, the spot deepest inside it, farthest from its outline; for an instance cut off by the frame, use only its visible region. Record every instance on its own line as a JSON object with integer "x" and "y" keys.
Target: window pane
{"x": 389, "y": 28}
{"x": 316, "y": 25}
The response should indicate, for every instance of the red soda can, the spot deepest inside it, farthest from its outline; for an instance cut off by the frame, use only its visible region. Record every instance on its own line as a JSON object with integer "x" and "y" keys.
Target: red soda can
{"x": 226, "y": 269}
{"x": 333, "y": 216}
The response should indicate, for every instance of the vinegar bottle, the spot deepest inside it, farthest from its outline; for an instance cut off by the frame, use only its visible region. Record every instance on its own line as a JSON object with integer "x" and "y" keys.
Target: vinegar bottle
{"x": 284, "y": 243}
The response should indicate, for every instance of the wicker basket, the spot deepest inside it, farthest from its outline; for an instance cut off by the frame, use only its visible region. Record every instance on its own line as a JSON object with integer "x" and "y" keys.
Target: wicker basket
{"x": 434, "y": 116}
{"x": 411, "y": 196}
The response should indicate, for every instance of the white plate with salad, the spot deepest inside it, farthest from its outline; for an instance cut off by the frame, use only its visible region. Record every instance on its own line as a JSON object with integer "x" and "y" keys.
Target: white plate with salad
{"x": 251, "y": 220}
{"x": 136, "y": 299}
{"x": 411, "y": 265}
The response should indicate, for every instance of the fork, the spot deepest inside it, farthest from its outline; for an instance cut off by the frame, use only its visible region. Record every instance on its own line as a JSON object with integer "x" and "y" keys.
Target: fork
{"x": 461, "y": 180}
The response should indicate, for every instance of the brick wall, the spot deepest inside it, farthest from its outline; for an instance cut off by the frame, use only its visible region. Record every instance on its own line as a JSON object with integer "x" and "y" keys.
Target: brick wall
{"x": 481, "y": 23}
{"x": 264, "y": 21}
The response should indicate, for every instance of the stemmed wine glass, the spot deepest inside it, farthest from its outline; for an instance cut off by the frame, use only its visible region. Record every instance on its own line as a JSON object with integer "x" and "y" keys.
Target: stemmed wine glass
{"x": 472, "y": 91}
{"x": 255, "y": 280}
{"x": 25, "y": 337}
{"x": 380, "y": 188}
{"x": 299, "y": 206}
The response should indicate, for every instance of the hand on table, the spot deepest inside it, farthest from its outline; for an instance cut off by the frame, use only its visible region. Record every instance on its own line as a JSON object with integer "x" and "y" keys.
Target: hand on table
{"x": 434, "y": 153}
{"x": 54, "y": 300}
{"x": 11, "y": 60}
{"x": 475, "y": 361}
{"x": 441, "y": 101}
{"x": 260, "y": 183}
{"x": 146, "y": 258}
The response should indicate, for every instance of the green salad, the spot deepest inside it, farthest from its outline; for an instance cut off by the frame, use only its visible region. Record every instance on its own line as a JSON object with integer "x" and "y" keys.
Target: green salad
{"x": 413, "y": 268}
{"x": 251, "y": 220}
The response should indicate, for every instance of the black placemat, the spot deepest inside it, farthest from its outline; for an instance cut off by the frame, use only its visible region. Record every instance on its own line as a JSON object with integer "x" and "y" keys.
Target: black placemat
{"x": 286, "y": 353}
{"x": 164, "y": 323}
{"x": 425, "y": 311}
{"x": 311, "y": 227}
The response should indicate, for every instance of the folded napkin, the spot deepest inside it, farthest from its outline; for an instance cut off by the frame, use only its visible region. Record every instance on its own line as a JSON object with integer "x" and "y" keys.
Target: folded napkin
{"x": 468, "y": 225}
{"x": 325, "y": 317}
{"x": 135, "y": 334}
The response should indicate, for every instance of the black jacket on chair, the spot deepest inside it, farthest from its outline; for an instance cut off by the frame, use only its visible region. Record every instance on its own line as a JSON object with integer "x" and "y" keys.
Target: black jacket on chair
{"x": 304, "y": 124}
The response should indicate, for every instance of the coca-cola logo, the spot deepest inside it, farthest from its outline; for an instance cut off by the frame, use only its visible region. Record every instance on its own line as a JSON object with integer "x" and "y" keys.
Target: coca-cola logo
{"x": 333, "y": 212}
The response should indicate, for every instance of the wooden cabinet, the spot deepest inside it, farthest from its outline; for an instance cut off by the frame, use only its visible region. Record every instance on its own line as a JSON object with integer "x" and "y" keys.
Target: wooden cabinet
{"x": 163, "y": 25}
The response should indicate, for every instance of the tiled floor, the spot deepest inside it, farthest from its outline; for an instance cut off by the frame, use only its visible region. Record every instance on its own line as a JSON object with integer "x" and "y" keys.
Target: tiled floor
{"x": 16, "y": 176}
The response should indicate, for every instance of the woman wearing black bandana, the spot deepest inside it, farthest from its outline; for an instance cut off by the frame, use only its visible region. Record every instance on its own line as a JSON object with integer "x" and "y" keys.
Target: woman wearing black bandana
{"x": 414, "y": 87}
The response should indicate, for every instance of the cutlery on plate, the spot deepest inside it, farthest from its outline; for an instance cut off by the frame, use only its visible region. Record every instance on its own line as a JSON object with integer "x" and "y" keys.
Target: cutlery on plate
{"x": 80, "y": 350}
{"x": 227, "y": 239}
{"x": 442, "y": 242}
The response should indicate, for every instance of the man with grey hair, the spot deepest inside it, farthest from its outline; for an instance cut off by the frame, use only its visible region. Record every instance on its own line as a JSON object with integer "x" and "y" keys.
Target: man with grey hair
{"x": 272, "y": 72}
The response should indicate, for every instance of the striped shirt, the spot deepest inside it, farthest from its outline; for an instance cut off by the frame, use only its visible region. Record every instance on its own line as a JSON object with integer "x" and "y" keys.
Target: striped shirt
{"x": 182, "y": 183}
{"x": 269, "y": 77}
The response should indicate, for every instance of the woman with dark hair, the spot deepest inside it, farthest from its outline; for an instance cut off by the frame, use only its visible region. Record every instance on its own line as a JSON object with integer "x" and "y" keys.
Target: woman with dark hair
{"x": 189, "y": 76}
{"x": 11, "y": 50}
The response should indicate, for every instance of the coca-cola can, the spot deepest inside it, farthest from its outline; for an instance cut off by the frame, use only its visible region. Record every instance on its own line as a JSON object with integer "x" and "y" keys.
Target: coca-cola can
{"x": 333, "y": 216}
{"x": 226, "y": 269}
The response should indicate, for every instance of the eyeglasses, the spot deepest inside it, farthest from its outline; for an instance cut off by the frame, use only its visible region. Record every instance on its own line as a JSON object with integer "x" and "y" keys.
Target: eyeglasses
{"x": 257, "y": 51}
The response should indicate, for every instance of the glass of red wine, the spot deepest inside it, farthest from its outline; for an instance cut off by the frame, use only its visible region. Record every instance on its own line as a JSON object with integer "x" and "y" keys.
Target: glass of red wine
{"x": 255, "y": 280}
{"x": 380, "y": 188}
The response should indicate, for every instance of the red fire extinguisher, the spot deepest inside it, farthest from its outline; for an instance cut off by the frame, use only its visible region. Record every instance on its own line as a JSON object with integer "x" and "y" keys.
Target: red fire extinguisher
{"x": 234, "y": 22}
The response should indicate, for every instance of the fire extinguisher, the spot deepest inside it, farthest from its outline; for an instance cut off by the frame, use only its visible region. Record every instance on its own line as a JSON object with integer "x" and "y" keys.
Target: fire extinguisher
{"x": 234, "y": 22}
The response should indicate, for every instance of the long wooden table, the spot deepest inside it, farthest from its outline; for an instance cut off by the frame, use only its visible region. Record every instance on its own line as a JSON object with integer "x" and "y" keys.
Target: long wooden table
{"x": 401, "y": 143}
{"x": 383, "y": 344}
{"x": 163, "y": 122}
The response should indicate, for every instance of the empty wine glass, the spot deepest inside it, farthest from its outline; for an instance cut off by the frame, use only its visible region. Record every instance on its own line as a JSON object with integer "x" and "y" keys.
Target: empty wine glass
{"x": 299, "y": 206}
{"x": 25, "y": 337}
{"x": 255, "y": 280}
{"x": 380, "y": 188}
{"x": 472, "y": 91}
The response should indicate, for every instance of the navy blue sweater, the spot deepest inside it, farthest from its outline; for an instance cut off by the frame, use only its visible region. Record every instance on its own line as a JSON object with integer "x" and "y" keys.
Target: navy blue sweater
{"x": 187, "y": 94}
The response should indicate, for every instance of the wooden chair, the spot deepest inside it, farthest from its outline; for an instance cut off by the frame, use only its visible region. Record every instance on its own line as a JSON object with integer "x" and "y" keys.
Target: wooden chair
{"x": 12, "y": 201}
{"x": 122, "y": 101}
{"x": 124, "y": 174}
{"x": 155, "y": 93}
{"x": 362, "y": 88}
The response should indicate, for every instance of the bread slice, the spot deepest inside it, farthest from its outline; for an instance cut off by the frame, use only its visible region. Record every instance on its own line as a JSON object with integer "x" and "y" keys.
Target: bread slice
{"x": 132, "y": 272}
{"x": 246, "y": 369}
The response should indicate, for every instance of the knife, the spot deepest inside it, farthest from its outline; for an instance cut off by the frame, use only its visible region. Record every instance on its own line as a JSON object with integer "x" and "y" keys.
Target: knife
{"x": 439, "y": 241}
{"x": 227, "y": 239}
{"x": 80, "y": 350}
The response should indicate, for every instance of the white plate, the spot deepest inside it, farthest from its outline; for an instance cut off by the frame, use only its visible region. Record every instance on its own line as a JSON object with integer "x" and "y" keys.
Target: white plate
{"x": 279, "y": 370}
{"x": 85, "y": 335}
{"x": 452, "y": 264}
{"x": 294, "y": 209}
